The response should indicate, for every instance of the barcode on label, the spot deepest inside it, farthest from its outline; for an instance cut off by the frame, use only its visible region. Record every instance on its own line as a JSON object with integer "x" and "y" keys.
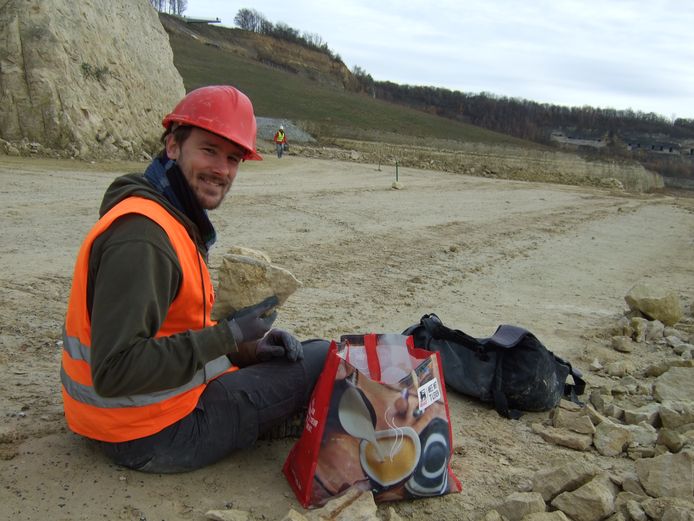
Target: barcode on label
{"x": 428, "y": 393}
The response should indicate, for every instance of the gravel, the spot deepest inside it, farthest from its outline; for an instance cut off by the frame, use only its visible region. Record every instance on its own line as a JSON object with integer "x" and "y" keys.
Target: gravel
{"x": 268, "y": 126}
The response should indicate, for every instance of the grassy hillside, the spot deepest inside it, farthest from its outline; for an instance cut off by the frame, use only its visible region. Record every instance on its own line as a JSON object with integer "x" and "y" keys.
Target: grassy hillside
{"x": 325, "y": 110}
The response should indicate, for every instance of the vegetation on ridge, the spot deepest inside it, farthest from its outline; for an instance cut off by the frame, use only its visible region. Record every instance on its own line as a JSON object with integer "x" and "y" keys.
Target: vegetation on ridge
{"x": 252, "y": 20}
{"x": 299, "y": 78}
{"x": 219, "y": 55}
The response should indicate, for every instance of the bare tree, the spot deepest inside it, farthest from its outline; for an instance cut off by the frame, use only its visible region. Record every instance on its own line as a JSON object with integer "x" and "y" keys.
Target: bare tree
{"x": 170, "y": 6}
{"x": 251, "y": 20}
{"x": 181, "y": 6}
{"x": 266, "y": 27}
{"x": 159, "y": 5}
{"x": 174, "y": 7}
{"x": 286, "y": 32}
{"x": 313, "y": 39}
{"x": 244, "y": 19}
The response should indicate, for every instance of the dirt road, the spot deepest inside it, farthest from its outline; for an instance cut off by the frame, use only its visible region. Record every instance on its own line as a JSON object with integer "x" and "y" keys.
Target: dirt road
{"x": 478, "y": 252}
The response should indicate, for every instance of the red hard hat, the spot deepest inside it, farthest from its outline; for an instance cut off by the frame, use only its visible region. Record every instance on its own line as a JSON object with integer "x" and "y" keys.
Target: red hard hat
{"x": 222, "y": 110}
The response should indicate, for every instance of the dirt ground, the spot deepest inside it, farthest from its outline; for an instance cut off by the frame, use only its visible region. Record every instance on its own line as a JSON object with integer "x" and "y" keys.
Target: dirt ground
{"x": 555, "y": 259}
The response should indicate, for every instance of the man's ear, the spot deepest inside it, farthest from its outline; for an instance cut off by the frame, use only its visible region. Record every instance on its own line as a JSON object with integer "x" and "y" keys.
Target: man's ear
{"x": 172, "y": 147}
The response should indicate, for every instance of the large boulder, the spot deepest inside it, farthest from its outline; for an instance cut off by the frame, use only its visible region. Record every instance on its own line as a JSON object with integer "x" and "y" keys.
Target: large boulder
{"x": 592, "y": 502}
{"x": 550, "y": 482}
{"x": 520, "y": 504}
{"x": 655, "y": 303}
{"x": 669, "y": 475}
{"x": 676, "y": 385}
{"x": 91, "y": 78}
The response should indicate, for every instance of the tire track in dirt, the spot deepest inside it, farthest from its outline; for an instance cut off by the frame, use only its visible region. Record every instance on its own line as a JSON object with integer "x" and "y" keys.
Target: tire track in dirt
{"x": 410, "y": 268}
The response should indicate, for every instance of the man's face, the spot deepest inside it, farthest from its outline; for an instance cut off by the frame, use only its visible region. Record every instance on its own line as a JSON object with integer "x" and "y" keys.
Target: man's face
{"x": 209, "y": 164}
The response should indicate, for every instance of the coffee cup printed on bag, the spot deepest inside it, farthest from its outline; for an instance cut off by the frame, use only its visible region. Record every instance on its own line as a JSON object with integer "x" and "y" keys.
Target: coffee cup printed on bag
{"x": 401, "y": 453}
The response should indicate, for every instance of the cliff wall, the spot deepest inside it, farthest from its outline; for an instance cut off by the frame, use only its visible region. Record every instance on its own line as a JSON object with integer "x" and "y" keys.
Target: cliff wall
{"x": 87, "y": 79}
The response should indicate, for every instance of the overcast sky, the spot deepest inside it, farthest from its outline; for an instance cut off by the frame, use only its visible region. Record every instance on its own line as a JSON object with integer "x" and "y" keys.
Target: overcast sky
{"x": 621, "y": 54}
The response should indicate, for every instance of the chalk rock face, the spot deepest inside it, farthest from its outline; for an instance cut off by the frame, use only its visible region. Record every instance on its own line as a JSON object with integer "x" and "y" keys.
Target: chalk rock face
{"x": 92, "y": 78}
{"x": 247, "y": 277}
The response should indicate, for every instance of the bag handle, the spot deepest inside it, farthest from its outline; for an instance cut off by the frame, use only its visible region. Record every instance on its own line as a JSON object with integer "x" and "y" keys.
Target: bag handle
{"x": 432, "y": 323}
{"x": 370, "y": 342}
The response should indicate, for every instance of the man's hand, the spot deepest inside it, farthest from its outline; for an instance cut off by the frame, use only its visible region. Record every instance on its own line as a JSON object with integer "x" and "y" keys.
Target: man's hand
{"x": 277, "y": 343}
{"x": 252, "y": 322}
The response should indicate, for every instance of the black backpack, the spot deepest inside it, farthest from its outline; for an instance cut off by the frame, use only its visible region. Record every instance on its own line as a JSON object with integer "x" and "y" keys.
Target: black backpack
{"x": 512, "y": 368}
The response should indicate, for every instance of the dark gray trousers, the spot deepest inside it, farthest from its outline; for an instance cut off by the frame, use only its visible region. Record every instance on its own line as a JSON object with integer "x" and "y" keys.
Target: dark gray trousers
{"x": 232, "y": 411}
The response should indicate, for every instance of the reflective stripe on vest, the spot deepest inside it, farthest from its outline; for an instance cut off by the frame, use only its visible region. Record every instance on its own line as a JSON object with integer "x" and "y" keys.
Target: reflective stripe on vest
{"x": 129, "y": 417}
{"x": 280, "y": 136}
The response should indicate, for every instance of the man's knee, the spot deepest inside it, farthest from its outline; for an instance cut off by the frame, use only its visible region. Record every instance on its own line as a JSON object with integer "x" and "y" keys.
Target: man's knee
{"x": 315, "y": 353}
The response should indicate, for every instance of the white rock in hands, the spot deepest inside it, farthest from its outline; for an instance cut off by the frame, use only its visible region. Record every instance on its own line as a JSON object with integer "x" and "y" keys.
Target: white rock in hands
{"x": 247, "y": 277}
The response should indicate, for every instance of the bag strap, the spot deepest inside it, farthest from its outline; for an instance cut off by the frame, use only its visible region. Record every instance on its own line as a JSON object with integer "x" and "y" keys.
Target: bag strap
{"x": 370, "y": 341}
{"x": 437, "y": 330}
{"x": 500, "y": 400}
{"x": 505, "y": 337}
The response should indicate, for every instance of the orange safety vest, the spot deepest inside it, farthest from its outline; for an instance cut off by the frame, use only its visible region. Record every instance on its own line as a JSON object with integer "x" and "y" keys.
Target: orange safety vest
{"x": 124, "y": 418}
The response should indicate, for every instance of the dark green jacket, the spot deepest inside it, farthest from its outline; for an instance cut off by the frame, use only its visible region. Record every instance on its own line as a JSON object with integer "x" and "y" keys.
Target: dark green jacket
{"x": 134, "y": 276}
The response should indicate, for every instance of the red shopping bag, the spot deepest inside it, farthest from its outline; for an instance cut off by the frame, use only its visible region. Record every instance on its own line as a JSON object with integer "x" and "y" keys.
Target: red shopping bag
{"x": 377, "y": 420}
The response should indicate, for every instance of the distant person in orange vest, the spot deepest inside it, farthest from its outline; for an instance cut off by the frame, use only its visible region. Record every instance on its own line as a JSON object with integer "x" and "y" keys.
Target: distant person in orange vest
{"x": 145, "y": 370}
{"x": 280, "y": 141}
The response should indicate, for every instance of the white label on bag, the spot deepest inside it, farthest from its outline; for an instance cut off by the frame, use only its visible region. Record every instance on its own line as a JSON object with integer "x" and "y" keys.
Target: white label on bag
{"x": 428, "y": 393}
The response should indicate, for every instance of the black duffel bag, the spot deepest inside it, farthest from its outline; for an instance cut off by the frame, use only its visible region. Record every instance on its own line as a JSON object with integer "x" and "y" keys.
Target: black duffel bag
{"x": 512, "y": 368}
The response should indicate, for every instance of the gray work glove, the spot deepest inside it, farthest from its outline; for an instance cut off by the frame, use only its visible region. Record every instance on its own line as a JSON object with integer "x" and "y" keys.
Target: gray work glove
{"x": 277, "y": 343}
{"x": 252, "y": 322}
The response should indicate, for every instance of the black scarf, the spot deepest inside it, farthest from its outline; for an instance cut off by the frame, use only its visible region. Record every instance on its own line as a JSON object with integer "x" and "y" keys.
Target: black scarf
{"x": 167, "y": 178}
